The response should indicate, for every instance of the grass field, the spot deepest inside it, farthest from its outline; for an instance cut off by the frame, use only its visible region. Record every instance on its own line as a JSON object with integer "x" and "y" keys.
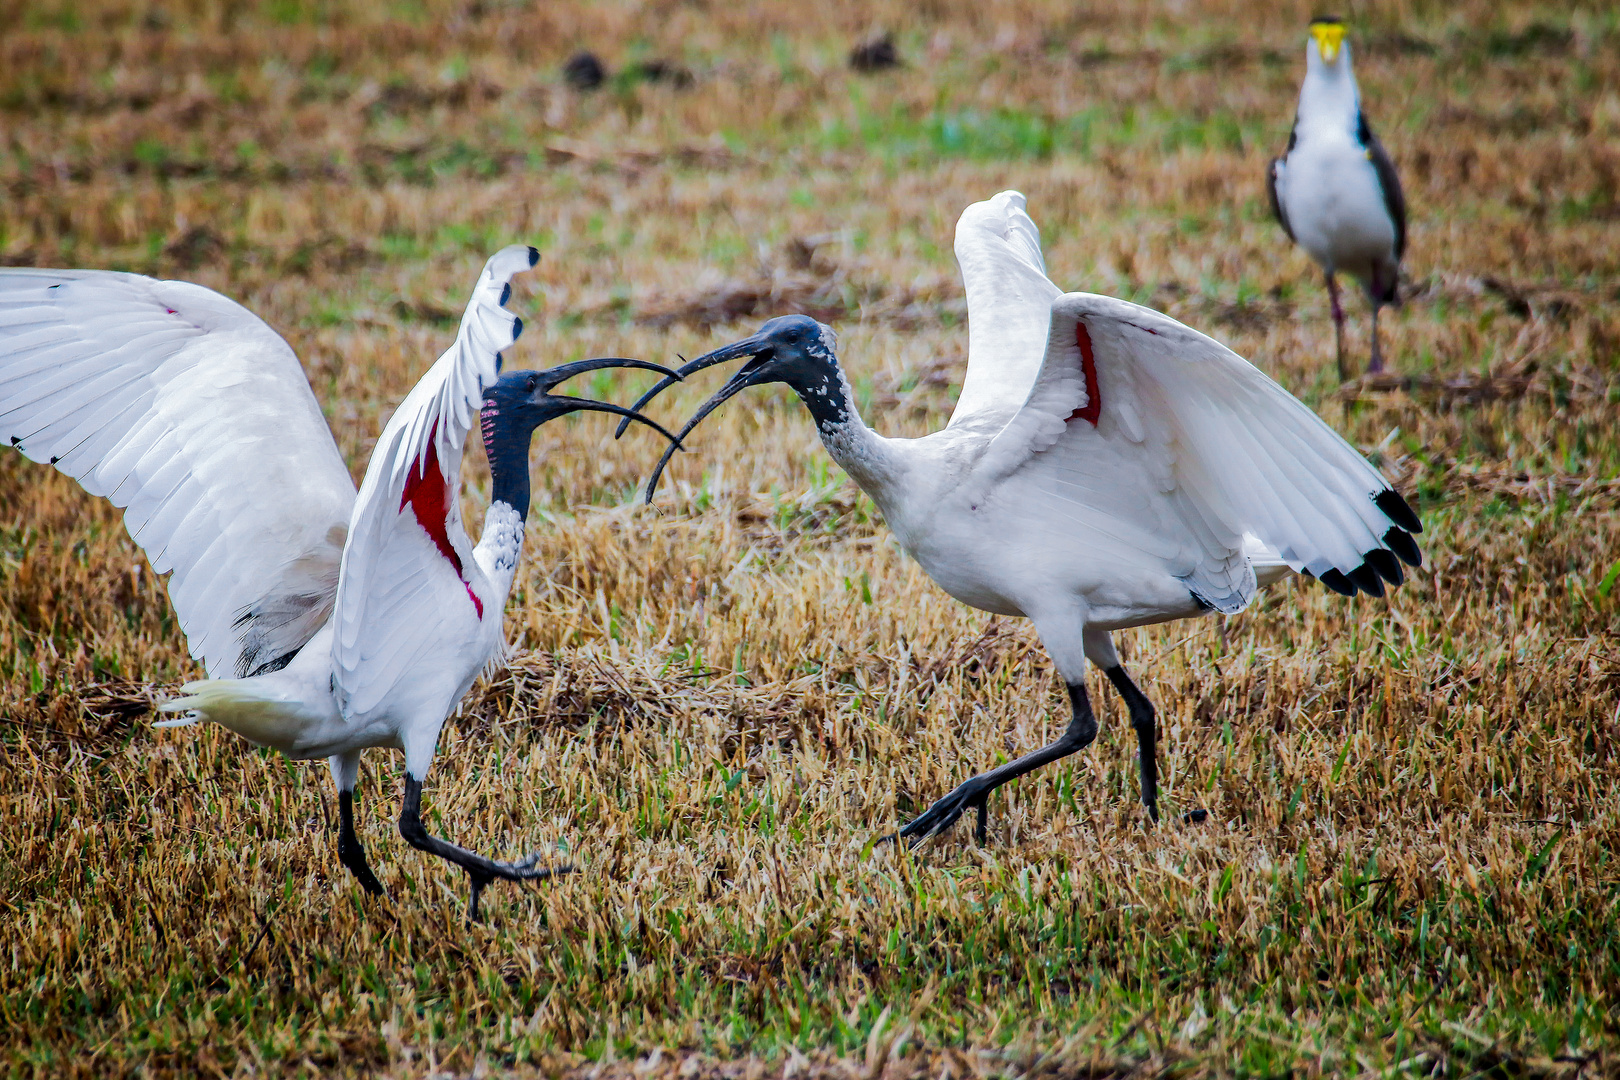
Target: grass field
{"x": 715, "y": 705}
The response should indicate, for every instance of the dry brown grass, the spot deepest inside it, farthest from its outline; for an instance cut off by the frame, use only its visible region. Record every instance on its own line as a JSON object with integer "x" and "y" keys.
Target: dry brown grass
{"x": 715, "y": 706}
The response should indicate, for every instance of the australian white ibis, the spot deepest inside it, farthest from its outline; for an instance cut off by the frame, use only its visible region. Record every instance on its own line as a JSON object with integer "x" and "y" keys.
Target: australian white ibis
{"x": 1334, "y": 190}
{"x": 328, "y": 622}
{"x": 1105, "y": 467}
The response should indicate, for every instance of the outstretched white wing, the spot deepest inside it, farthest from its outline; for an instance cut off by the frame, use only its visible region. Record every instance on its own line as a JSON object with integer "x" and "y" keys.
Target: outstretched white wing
{"x": 184, "y": 408}
{"x": 1219, "y": 453}
{"x": 1009, "y": 301}
{"x": 408, "y": 565}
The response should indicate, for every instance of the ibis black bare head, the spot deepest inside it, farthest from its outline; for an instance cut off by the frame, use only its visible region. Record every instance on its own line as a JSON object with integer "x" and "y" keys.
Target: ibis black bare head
{"x": 524, "y": 399}
{"x": 517, "y": 403}
{"x": 794, "y": 349}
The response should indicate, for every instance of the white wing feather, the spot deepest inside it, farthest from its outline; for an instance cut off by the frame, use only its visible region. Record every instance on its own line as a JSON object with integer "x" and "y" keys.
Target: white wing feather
{"x": 1232, "y": 457}
{"x": 395, "y": 579}
{"x": 1009, "y": 301}
{"x": 185, "y": 409}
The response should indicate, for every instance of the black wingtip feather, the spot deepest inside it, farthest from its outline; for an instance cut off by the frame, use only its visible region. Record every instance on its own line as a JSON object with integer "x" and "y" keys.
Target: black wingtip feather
{"x": 1336, "y": 581}
{"x": 506, "y": 293}
{"x": 1396, "y": 509}
{"x": 517, "y": 328}
{"x": 1402, "y": 544}
{"x": 1368, "y": 580}
{"x": 1387, "y": 565}
{"x": 534, "y": 255}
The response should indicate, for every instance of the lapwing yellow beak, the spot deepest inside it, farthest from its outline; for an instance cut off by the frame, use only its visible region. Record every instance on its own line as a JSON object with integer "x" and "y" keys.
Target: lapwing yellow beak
{"x": 1329, "y": 37}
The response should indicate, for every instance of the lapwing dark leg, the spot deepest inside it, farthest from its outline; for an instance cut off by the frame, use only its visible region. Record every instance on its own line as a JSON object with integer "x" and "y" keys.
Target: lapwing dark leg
{"x": 1338, "y": 326}
{"x": 1377, "y": 362}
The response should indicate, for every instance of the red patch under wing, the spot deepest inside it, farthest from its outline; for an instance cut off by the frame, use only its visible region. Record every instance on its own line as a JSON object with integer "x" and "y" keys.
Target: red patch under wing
{"x": 429, "y": 496}
{"x": 1088, "y": 365}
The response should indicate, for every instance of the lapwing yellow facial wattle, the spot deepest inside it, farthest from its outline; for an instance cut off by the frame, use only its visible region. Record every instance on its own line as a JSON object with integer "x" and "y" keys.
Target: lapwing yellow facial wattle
{"x": 1328, "y": 31}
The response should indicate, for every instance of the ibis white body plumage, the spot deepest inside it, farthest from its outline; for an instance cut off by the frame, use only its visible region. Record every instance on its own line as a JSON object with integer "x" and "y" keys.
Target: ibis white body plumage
{"x": 1105, "y": 467}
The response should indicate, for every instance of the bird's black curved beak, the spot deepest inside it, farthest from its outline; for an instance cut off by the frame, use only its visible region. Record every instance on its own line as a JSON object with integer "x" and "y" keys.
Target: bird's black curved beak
{"x": 641, "y": 402}
{"x": 747, "y": 347}
{"x": 559, "y": 405}
{"x": 750, "y": 374}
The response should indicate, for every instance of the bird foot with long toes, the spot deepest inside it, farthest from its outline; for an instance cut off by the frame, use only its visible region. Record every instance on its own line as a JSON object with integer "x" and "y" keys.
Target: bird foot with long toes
{"x": 353, "y": 856}
{"x": 975, "y": 791}
{"x": 527, "y": 868}
{"x": 480, "y": 869}
{"x": 945, "y": 813}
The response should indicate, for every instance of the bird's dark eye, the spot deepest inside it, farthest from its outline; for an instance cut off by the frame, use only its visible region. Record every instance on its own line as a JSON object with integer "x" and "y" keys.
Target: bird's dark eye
{"x": 534, "y": 384}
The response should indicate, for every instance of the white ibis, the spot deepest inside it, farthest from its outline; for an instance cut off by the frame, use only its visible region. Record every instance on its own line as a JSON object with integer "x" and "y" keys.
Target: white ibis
{"x": 1334, "y": 190}
{"x": 328, "y": 623}
{"x": 1105, "y": 467}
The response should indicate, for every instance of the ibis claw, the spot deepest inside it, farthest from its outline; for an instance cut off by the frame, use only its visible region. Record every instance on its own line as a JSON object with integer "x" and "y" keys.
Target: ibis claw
{"x": 480, "y": 869}
{"x": 527, "y": 868}
{"x": 355, "y": 860}
{"x": 975, "y": 791}
{"x": 947, "y": 811}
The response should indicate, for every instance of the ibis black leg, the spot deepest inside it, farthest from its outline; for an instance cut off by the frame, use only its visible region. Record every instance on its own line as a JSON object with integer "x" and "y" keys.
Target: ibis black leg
{"x": 1147, "y": 738}
{"x": 975, "y": 791}
{"x": 350, "y": 853}
{"x": 480, "y": 871}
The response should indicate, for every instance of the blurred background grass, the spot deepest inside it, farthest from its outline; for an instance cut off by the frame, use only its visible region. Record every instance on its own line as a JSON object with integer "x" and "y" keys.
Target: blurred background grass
{"x": 715, "y": 705}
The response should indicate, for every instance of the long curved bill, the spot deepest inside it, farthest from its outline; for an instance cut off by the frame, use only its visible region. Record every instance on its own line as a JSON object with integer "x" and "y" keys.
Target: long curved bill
{"x": 742, "y": 380}
{"x": 550, "y": 377}
{"x": 641, "y": 402}
{"x": 563, "y": 372}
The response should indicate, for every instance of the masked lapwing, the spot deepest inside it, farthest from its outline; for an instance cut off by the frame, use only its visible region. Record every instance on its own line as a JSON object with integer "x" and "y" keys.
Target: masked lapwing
{"x": 1335, "y": 191}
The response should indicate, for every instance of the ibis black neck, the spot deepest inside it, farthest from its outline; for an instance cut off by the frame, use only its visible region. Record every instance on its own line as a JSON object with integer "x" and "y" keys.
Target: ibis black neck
{"x": 506, "y": 443}
{"x": 826, "y": 394}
